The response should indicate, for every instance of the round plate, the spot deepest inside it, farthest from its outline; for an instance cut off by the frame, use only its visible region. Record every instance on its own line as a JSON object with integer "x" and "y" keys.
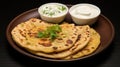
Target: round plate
{"x": 103, "y": 26}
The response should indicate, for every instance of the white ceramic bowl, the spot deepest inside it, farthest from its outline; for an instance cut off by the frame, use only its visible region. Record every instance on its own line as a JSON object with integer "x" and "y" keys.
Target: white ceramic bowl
{"x": 53, "y": 12}
{"x": 84, "y": 13}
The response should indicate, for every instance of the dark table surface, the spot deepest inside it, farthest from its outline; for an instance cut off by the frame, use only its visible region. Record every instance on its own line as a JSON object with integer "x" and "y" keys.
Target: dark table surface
{"x": 9, "y": 57}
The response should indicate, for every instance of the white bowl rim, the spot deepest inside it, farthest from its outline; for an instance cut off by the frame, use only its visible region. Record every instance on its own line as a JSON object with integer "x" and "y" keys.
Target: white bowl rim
{"x": 76, "y": 5}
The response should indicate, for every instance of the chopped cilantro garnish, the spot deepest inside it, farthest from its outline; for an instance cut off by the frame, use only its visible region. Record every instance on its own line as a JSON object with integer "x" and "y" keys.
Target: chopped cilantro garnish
{"x": 53, "y": 10}
{"x": 62, "y": 8}
{"x": 51, "y": 13}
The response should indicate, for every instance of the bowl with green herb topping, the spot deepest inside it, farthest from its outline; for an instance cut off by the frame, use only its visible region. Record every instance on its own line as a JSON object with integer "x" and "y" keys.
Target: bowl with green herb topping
{"x": 53, "y": 12}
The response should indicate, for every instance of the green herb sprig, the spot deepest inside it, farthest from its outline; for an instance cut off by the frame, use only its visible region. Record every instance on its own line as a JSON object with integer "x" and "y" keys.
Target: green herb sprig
{"x": 50, "y": 32}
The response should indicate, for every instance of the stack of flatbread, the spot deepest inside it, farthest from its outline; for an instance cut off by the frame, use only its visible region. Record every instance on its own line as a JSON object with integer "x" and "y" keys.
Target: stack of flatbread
{"x": 72, "y": 42}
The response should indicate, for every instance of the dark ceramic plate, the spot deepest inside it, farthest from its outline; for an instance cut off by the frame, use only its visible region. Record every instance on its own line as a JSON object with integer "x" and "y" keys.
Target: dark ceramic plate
{"x": 103, "y": 26}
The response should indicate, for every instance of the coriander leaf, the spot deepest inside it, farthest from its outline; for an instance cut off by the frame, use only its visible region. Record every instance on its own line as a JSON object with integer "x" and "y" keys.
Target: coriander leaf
{"x": 51, "y": 13}
{"x": 40, "y": 34}
{"x": 57, "y": 28}
{"x": 43, "y": 34}
{"x": 63, "y": 8}
{"x": 53, "y": 35}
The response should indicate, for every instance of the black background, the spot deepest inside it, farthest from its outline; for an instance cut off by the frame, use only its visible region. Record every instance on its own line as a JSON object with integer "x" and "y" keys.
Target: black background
{"x": 9, "y": 9}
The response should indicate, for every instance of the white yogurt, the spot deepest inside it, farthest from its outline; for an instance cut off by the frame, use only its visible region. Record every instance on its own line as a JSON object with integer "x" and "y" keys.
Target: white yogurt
{"x": 84, "y": 13}
{"x": 82, "y": 10}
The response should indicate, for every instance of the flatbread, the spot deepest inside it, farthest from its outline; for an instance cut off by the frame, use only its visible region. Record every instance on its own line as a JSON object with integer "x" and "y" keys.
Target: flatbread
{"x": 72, "y": 42}
{"x": 90, "y": 48}
{"x": 25, "y": 35}
{"x": 83, "y": 39}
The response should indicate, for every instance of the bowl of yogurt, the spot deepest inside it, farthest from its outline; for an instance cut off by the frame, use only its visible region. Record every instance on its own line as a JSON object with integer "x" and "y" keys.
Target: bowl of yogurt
{"x": 84, "y": 13}
{"x": 53, "y": 12}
